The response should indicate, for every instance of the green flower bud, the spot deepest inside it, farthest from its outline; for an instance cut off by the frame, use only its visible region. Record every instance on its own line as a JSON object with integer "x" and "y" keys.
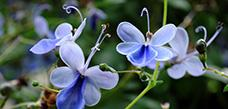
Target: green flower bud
{"x": 35, "y": 83}
{"x": 201, "y": 47}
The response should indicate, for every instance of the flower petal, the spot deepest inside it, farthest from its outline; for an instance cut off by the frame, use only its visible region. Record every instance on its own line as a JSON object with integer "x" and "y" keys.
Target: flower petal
{"x": 91, "y": 94}
{"x": 194, "y": 66}
{"x": 102, "y": 79}
{"x": 62, "y": 77}
{"x": 180, "y": 42}
{"x": 72, "y": 55}
{"x": 64, "y": 40}
{"x": 152, "y": 64}
{"x": 79, "y": 30}
{"x": 129, "y": 33}
{"x": 63, "y": 30}
{"x": 127, "y": 47}
{"x": 163, "y": 35}
{"x": 164, "y": 54}
{"x": 41, "y": 26}
{"x": 71, "y": 97}
{"x": 177, "y": 71}
{"x": 142, "y": 56}
{"x": 44, "y": 46}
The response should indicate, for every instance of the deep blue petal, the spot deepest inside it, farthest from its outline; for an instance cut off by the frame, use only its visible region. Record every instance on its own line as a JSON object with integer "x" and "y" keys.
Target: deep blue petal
{"x": 71, "y": 97}
{"x": 142, "y": 56}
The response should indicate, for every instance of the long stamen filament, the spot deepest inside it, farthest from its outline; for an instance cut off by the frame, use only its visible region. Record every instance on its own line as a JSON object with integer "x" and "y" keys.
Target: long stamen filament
{"x": 202, "y": 28}
{"x": 102, "y": 32}
{"x": 96, "y": 47}
{"x": 148, "y": 17}
{"x": 68, "y": 10}
{"x": 219, "y": 29}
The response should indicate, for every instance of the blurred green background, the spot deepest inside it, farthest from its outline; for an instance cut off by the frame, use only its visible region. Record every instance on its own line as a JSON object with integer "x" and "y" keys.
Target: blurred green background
{"x": 205, "y": 92}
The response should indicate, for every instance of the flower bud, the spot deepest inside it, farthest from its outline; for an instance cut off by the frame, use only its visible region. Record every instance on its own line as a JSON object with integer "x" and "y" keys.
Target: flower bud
{"x": 35, "y": 84}
{"x": 201, "y": 47}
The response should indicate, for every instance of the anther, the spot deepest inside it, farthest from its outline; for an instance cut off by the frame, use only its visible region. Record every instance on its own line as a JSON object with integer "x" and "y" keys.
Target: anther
{"x": 149, "y": 35}
{"x": 68, "y": 10}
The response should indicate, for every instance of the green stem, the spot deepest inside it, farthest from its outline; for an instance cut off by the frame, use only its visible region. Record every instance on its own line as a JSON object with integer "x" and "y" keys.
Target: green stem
{"x": 148, "y": 87}
{"x": 156, "y": 71}
{"x": 49, "y": 89}
{"x": 165, "y": 12}
{"x": 26, "y": 104}
{"x": 217, "y": 72}
{"x": 129, "y": 71}
{"x": 4, "y": 102}
{"x": 152, "y": 83}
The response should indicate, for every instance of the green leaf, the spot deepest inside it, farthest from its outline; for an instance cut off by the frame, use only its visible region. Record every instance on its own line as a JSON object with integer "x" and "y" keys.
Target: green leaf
{"x": 225, "y": 88}
{"x": 180, "y": 4}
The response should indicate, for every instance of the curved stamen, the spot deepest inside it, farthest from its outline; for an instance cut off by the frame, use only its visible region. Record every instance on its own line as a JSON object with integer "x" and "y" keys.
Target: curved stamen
{"x": 148, "y": 17}
{"x": 219, "y": 29}
{"x": 202, "y": 28}
{"x": 68, "y": 10}
{"x": 96, "y": 47}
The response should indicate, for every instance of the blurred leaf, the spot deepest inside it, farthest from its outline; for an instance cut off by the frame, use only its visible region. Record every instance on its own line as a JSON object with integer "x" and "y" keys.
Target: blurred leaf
{"x": 225, "y": 88}
{"x": 180, "y": 4}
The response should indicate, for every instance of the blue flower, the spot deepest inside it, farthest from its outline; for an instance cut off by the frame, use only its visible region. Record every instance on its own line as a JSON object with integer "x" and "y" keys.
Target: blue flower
{"x": 40, "y": 23}
{"x": 141, "y": 52}
{"x": 81, "y": 85}
{"x": 183, "y": 62}
{"x": 95, "y": 15}
{"x": 63, "y": 33}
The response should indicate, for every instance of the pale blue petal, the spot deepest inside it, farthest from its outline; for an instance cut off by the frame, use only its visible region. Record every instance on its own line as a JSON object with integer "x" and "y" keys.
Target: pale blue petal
{"x": 152, "y": 64}
{"x": 43, "y": 46}
{"x": 129, "y": 33}
{"x": 102, "y": 79}
{"x": 177, "y": 71}
{"x": 92, "y": 94}
{"x": 164, "y": 54}
{"x": 63, "y": 30}
{"x": 142, "y": 56}
{"x": 41, "y": 26}
{"x": 194, "y": 66}
{"x": 71, "y": 97}
{"x": 180, "y": 42}
{"x": 64, "y": 40}
{"x": 163, "y": 35}
{"x": 62, "y": 77}
{"x": 127, "y": 47}
{"x": 72, "y": 55}
{"x": 79, "y": 30}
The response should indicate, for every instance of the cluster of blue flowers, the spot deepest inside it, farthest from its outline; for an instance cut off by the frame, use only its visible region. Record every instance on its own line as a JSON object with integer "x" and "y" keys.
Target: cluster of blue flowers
{"x": 80, "y": 83}
{"x": 141, "y": 52}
